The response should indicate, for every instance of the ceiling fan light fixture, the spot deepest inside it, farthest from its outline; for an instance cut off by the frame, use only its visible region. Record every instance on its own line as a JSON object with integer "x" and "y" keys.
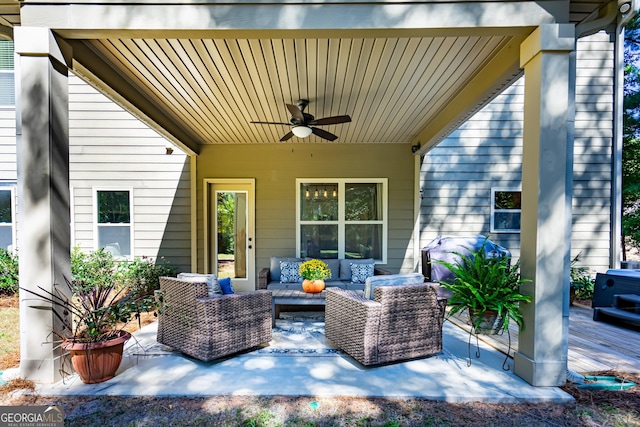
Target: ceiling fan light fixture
{"x": 301, "y": 131}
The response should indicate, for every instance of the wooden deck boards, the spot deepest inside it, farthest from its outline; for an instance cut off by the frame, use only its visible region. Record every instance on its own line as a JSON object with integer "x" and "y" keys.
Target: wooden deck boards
{"x": 593, "y": 346}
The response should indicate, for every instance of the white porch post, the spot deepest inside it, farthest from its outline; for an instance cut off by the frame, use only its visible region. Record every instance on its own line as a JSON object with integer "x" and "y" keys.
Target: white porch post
{"x": 547, "y": 165}
{"x": 43, "y": 193}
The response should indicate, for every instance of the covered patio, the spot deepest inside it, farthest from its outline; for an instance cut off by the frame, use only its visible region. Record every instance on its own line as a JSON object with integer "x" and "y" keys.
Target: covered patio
{"x": 299, "y": 362}
{"x": 407, "y": 72}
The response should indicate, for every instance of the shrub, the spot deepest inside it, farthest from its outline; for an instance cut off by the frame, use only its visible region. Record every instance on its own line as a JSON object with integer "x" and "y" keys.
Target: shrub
{"x": 9, "y": 269}
{"x": 142, "y": 275}
{"x": 93, "y": 269}
{"x": 581, "y": 279}
{"x": 99, "y": 269}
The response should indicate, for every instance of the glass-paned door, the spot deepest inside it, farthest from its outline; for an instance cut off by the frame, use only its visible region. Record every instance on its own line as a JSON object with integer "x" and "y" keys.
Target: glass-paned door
{"x": 231, "y": 246}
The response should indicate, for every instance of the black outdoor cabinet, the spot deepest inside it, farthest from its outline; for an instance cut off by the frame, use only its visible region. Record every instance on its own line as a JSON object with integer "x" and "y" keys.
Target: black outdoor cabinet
{"x": 616, "y": 296}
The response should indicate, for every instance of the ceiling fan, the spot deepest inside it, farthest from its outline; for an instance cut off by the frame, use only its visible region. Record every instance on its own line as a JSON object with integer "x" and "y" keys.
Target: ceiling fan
{"x": 303, "y": 123}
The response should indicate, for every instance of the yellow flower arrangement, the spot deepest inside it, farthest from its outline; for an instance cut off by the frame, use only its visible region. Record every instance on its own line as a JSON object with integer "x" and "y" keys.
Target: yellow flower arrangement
{"x": 315, "y": 269}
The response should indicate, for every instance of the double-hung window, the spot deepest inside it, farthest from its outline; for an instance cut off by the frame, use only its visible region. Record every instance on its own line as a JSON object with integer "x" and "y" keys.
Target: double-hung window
{"x": 342, "y": 218}
{"x": 506, "y": 206}
{"x": 114, "y": 221}
{"x": 7, "y": 218}
{"x": 7, "y": 88}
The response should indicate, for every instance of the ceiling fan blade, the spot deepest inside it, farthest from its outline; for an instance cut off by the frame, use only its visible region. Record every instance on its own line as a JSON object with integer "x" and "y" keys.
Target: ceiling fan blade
{"x": 270, "y": 123}
{"x": 331, "y": 120}
{"x": 324, "y": 134}
{"x": 295, "y": 112}
{"x": 287, "y": 137}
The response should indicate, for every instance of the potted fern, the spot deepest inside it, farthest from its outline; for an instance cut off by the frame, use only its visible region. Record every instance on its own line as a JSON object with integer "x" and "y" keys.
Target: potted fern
{"x": 488, "y": 288}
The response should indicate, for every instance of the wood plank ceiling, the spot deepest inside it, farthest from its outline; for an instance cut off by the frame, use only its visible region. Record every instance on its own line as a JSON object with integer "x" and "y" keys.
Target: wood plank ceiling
{"x": 391, "y": 87}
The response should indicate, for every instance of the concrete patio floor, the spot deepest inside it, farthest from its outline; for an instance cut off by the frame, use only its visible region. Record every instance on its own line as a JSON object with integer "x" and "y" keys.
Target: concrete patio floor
{"x": 315, "y": 369}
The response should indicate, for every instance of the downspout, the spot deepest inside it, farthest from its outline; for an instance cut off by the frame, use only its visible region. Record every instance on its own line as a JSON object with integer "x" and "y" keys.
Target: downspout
{"x": 616, "y": 149}
{"x": 618, "y": 133}
{"x": 417, "y": 202}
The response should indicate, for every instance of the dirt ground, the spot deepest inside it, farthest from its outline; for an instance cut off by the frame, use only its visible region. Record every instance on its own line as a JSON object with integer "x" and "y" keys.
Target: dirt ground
{"x": 591, "y": 408}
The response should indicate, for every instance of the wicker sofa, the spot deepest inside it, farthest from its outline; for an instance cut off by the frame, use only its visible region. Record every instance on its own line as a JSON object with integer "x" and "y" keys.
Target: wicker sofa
{"x": 401, "y": 322}
{"x": 208, "y": 328}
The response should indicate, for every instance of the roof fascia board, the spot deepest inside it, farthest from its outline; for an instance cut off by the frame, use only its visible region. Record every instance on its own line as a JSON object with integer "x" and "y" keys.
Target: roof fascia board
{"x": 85, "y": 18}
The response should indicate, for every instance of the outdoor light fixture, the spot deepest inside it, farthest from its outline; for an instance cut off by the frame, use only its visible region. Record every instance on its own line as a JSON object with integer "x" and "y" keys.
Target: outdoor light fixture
{"x": 624, "y": 6}
{"x": 301, "y": 131}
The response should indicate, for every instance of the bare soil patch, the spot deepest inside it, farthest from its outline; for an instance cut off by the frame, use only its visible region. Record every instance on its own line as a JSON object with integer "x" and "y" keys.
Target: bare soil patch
{"x": 9, "y": 301}
{"x": 591, "y": 408}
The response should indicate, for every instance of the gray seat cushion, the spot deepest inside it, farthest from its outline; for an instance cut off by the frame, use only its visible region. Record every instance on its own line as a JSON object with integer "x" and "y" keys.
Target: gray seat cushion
{"x": 390, "y": 280}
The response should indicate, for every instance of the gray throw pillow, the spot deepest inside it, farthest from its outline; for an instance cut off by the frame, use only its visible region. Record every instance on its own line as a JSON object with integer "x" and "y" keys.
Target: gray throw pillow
{"x": 213, "y": 287}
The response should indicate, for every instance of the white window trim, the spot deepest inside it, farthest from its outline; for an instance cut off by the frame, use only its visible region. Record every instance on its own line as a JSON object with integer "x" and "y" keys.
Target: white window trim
{"x": 16, "y": 83}
{"x": 9, "y": 106}
{"x": 341, "y": 222}
{"x": 12, "y": 198}
{"x": 131, "y": 217}
{"x": 494, "y": 210}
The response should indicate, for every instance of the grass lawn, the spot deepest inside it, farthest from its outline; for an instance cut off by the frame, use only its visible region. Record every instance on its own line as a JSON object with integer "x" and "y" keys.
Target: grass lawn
{"x": 9, "y": 332}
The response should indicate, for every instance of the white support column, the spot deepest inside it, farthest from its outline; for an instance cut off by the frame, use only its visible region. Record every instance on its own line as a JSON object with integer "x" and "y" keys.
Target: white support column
{"x": 548, "y": 59}
{"x": 43, "y": 192}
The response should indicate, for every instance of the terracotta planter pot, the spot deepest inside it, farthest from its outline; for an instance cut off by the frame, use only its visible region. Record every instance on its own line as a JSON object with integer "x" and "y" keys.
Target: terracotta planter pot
{"x": 490, "y": 323}
{"x": 313, "y": 286}
{"x": 97, "y": 362}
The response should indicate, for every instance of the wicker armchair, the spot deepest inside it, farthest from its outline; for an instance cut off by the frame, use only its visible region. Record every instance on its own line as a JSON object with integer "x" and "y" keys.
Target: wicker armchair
{"x": 208, "y": 328}
{"x": 401, "y": 322}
